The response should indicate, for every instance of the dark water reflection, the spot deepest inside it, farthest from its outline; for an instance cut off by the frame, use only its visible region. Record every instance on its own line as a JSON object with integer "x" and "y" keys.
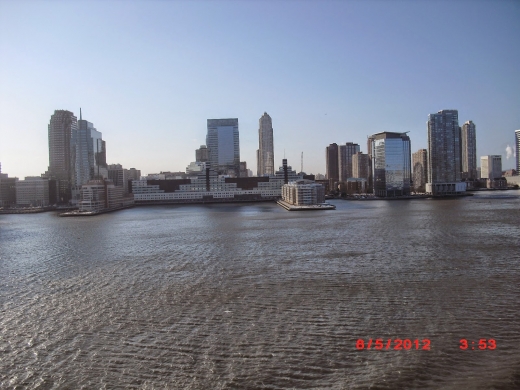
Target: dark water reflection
{"x": 253, "y": 296}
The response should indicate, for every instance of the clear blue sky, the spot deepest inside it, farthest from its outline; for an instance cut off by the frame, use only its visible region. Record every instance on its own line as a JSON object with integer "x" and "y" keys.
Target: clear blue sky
{"x": 149, "y": 74}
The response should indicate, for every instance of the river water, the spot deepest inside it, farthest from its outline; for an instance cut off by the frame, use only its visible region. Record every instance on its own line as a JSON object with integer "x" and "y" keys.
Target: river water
{"x": 251, "y": 296}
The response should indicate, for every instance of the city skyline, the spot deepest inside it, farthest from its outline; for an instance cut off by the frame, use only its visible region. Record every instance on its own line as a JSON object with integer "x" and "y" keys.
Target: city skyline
{"x": 320, "y": 69}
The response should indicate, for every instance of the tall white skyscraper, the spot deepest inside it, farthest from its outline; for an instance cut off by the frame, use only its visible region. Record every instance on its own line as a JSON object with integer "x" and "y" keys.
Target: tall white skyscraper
{"x": 223, "y": 143}
{"x": 265, "y": 152}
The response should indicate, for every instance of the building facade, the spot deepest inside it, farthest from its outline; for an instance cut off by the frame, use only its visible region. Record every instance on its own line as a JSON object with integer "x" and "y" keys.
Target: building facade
{"x": 360, "y": 166}
{"x": 210, "y": 187}
{"x": 202, "y": 154}
{"x": 391, "y": 165}
{"x": 224, "y": 148}
{"x": 468, "y": 151}
{"x": 444, "y": 154}
{"x": 491, "y": 167}
{"x": 102, "y": 195}
{"x": 116, "y": 174}
{"x": 517, "y": 141}
{"x": 7, "y": 190}
{"x": 331, "y": 162}
{"x": 265, "y": 152}
{"x": 420, "y": 170}
{"x": 303, "y": 192}
{"x": 345, "y": 153}
{"x": 32, "y": 192}
{"x": 62, "y": 129}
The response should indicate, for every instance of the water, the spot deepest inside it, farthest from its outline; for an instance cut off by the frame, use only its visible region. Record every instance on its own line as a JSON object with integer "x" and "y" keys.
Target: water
{"x": 256, "y": 297}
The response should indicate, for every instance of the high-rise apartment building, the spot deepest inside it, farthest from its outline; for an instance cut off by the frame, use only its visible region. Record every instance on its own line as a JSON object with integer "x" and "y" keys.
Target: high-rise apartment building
{"x": 345, "y": 153}
{"x": 331, "y": 161}
{"x": 444, "y": 150}
{"x": 420, "y": 170}
{"x": 517, "y": 139}
{"x": 469, "y": 151}
{"x": 391, "y": 168}
{"x": 360, "y": 166}
{"x": 491, "y": 167}
{"x": 370, "y": 183}
{"x": 62, "y": 129}
{"x": 265, "y": 152}
{"x": 223, "y": 144}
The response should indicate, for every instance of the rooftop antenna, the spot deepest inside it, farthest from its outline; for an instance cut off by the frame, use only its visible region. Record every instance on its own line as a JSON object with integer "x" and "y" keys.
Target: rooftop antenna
{"x": 284, "y": 153}
{"x": 302, "y": 163}
{"x": 80, "y": 113}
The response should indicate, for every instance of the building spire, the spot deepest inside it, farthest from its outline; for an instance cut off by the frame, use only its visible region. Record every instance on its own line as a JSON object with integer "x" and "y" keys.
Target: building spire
{"x": 80, "y": 113}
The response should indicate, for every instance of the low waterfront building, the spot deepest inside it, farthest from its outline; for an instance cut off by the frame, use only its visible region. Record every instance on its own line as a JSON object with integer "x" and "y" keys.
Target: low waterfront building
{"x": 102, "y": 195}
{"x": 303, "y": 192}
{"x": 7, "y": 190}
{"x": 354, "y": 186}
{"x": 210, "y": 187}
{"x": 32, "y": 192}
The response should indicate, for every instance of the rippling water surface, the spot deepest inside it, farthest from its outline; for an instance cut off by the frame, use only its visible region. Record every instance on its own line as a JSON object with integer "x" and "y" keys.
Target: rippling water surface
{"x": 252, "y": 296}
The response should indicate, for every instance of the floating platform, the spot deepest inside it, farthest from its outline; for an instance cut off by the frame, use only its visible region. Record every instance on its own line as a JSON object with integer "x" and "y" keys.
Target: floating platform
{"x": 311, "y": 207}
{"x": 77, "y": 213}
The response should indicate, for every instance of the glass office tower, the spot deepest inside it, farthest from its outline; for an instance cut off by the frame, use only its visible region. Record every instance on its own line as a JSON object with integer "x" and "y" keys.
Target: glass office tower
{"x": 391, "y": 165}
{"x": 222, "y": 141}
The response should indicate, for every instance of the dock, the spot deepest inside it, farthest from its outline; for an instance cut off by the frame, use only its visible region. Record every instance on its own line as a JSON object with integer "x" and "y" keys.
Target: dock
{"x": 310, "y": 207}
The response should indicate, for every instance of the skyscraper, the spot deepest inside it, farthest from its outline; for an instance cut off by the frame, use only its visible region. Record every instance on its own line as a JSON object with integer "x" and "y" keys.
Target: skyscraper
{"x": 391, "y": 164}
{"x": 265, "y": 152}
{"x": 517, "y": 139}
{"x": 62, "y": 129}
{"x": 345, "y": 153}
{"x": 469, "y": 151}
{"x": 223, "y": 144}
{"x": 420, "y": 170}
{"x": 444, "y": 149}
{"x": 360, "y": 166}
{"x": 331, "y": 162}
{"x": 90, "y": 153}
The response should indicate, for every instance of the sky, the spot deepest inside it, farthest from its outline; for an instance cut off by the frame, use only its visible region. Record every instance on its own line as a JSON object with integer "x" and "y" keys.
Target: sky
{"x": 148, "y": 75}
